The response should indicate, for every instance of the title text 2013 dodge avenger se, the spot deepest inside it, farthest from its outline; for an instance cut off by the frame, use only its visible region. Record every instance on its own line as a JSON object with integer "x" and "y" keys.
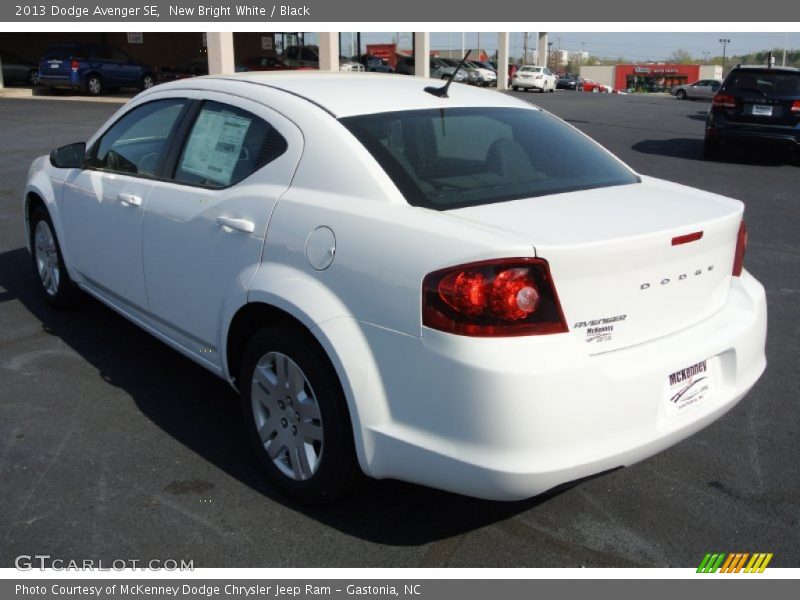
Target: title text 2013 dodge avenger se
{"x": 457, "y": 290}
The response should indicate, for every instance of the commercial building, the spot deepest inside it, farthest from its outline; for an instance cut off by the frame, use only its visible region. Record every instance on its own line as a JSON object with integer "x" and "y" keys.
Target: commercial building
{"x": 649, "y": 77}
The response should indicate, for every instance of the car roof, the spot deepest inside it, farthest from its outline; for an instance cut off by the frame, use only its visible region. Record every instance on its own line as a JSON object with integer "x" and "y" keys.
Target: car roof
{"x": 766, "y": 68}
{"x": 345, "y": 94}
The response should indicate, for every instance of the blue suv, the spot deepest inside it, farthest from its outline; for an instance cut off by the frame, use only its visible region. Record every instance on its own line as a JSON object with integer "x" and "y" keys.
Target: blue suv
{"x": 93, "y": 68}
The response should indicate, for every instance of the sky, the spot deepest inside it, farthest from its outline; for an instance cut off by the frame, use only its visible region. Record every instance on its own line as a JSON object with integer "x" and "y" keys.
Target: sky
{"x": 633, "y": 46}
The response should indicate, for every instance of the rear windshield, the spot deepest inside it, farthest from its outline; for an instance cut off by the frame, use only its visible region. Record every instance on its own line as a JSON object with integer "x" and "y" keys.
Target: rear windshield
{"x": 769, "y": 82}
{"x": 65, "y": 51}
{"x": 457, "y": 157}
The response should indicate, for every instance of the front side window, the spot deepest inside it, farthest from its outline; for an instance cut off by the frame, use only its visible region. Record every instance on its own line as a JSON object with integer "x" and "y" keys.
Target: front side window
{"x": 137, "y": 142}
{"x": 457, "y": 157}
{"x": 226, "y": 145}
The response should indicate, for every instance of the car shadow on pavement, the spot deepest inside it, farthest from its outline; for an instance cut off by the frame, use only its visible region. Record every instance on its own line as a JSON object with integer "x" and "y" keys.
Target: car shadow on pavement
{"x": 202, "y": 412}
{"x": 692, "y": 149}
{"x": 700, "y": 115}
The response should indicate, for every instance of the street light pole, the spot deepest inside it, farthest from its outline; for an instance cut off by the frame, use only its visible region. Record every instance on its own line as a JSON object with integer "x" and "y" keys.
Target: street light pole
{"x": 724, "y": 42}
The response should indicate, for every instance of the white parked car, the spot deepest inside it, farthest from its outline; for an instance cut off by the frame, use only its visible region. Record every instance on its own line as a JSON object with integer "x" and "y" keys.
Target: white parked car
{"x": 531, "y": 77}
{"x": 461, "y": 291}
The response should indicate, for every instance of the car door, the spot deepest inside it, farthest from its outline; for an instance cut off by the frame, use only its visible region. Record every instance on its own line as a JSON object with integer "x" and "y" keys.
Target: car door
{"x": 126, "y": 70}
{"x": 697, "y": 89}
{"x": 204, "y": 228}
{"x": 103, "y": 63}
{"x": 102, "y": 205}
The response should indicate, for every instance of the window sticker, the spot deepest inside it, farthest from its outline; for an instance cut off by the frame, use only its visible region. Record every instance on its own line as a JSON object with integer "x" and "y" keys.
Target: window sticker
{"x": 215, "y": 146}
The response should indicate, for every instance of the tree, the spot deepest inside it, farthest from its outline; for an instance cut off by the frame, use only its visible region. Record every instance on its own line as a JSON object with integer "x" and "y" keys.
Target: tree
{"x": 680, "y": 57}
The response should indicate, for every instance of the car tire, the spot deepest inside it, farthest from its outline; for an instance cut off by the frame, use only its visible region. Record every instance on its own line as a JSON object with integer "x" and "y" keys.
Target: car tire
{"x": 147, "y": 81}
{"x": 515, "y": 88}
{"x": 296, "y": 416}
{"x": 33, "y": 77}
{"x": 94, "y": 85}
{"x": 680, "y": 94}
{"x": 48, "y": 263}
{"x": 710, "y": 149}
{"x": 595, "y": 90}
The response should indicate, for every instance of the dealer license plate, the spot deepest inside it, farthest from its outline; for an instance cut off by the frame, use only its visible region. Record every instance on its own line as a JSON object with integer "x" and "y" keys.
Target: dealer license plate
{"x": 688, "y": 387}
{"x": 761, "y": 110}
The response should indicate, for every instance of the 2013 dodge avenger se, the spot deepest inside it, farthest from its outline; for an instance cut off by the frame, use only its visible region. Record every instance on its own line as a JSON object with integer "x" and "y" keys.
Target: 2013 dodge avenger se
{"x": 453, "y": 288}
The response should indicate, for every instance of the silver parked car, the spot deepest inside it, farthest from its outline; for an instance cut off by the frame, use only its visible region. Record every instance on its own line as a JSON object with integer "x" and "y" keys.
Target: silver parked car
{"x": 699, "y": 90}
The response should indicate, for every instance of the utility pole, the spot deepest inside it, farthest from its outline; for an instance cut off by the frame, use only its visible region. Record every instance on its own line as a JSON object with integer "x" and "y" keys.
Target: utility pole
{"x": 724, "y": 42}
{"x": 785, "y": 43}
{"x": 525, "y": 48}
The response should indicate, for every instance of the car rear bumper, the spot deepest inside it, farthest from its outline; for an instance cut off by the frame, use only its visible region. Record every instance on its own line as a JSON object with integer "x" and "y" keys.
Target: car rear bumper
{"x": 509, "y": 418}
{"x": 753, "y": 134}
{"x": 72, "y": 82}
{"x": 523, "y": 83}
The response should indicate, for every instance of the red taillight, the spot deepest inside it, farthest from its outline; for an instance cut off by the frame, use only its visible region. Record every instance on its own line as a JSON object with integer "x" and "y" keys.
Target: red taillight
{"x": 724, "y": 100}
{"x": 507, "y": 297}
{"x": 741, "y": 246}
{"x": 75, "y": 65}
{"x": 796, "y": 106}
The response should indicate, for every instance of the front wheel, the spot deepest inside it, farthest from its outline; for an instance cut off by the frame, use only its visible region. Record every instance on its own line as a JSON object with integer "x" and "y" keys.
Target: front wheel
{"x": 297, "y": 417}
{"x": 33, "y": 77}
{"x": 681, "y": 95}
{"x": 48, "y": 263}
{"x": 595, "y": 90}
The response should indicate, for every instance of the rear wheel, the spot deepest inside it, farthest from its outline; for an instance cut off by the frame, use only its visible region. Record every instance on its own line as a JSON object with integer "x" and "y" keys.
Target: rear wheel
{"x": 147, "y": 81}
{"x": 48, "y": 263}
{"x": 296, "y": 416}
{"x": 515, "y": 88}
{"x": 94, "y": 85}
{"x": 33, "y": 77}
{"x": 710, "y": 149}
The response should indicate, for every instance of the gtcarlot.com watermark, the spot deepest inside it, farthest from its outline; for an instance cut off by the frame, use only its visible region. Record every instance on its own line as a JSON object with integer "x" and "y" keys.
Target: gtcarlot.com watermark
{"x": 42, "y": 562}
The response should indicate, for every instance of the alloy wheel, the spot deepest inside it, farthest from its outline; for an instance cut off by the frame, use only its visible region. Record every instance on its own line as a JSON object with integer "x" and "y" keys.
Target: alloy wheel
{"x": 46, "y": 255}
{"x": 287, "y": 416}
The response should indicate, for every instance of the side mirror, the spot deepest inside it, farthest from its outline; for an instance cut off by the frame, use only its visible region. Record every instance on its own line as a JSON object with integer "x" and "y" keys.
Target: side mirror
{"x": 68, "y": 157}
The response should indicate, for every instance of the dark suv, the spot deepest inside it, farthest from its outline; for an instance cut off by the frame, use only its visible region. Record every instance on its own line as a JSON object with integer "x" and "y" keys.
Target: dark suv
{"x": 755, "y": 106}
{"x": 92, "y": 68}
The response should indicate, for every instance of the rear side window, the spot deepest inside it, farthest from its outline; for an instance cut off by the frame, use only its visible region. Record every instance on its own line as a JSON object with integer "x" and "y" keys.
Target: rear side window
{"x": 452, "y": 158}
{"x": 120, "y": 55}
{"x": 137, "y": 142}
{"x": 225, "y": 145}
{"x": 101, "y": 53}
{"x": 767, "y": 82}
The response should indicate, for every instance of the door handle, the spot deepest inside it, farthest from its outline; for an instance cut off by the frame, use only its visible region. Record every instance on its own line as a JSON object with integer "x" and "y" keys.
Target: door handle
{"x": 129, "y": 199}
{"x": 231, "y": 223}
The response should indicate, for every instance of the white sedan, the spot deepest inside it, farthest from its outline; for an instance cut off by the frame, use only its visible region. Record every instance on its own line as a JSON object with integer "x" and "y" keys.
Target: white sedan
{"x": 532, "y": 77}
{"x": 454, "y": 289}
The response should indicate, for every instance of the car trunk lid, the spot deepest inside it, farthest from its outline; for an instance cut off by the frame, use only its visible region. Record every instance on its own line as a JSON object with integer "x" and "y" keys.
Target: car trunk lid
{"x": 630, "y": 263}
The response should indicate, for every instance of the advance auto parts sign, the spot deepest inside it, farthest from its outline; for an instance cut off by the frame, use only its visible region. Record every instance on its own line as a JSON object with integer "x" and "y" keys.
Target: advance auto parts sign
{"x": 687, "y": 387}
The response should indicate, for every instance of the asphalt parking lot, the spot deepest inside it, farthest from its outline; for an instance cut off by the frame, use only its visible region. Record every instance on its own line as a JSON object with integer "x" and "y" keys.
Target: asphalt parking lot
{"x": 113, "y": 446}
